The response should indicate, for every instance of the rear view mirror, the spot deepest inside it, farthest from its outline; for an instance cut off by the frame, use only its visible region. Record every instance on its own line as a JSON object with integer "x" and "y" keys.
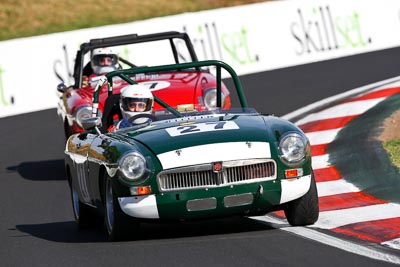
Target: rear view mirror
{"x": 61, "y": 88}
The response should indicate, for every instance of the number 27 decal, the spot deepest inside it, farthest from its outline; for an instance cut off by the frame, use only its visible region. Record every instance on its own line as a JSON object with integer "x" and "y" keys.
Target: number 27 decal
{"x": 202, "y": 127}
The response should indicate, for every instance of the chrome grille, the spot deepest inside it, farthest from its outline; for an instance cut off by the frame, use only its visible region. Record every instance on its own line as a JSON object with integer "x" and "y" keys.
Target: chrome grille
{"x": 248, "y": 172}
{"x": 203, "y": 176}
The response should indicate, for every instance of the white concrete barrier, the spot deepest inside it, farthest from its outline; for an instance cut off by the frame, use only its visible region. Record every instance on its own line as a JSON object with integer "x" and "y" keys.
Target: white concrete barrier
{"x": 251, "y": 38}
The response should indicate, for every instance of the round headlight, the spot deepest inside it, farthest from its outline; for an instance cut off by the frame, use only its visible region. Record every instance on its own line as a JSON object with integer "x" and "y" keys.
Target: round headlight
{"x": 133, "y": 166}
{"x": 293, "y": 148}
{"x": 210, "y": 99}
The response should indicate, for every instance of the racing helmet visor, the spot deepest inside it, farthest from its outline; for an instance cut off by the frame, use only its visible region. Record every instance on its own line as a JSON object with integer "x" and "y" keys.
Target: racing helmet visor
{"x": 105, "y": 60}
{"x": 136, "y": 104}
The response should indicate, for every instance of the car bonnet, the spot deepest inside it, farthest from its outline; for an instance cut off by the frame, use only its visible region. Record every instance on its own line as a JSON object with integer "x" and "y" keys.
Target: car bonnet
{"x": 191, "y": 137}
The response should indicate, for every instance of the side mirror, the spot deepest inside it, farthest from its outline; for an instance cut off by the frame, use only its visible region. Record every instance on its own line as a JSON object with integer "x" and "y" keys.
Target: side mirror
{"x": 90, "y": 123}
{"x": 61, "y": 88}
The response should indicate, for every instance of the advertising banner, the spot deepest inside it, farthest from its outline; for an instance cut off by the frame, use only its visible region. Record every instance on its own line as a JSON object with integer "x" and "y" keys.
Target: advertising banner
{"x": 251, "y": 38}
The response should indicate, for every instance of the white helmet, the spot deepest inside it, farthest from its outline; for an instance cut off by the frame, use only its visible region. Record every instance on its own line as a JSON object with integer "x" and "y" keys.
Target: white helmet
{"x": 136, "y": 99}
{"x": 104, "y": 60}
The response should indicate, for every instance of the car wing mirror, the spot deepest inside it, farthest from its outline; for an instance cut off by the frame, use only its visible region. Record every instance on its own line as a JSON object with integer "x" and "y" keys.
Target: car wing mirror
{"x": 91, "y": 123}
{"x": 61, "y": 88}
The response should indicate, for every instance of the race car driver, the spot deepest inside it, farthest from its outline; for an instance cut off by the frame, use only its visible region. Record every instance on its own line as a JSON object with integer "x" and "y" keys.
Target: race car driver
{"x": 103, "y": 60}
{"x": 136, "y": 105}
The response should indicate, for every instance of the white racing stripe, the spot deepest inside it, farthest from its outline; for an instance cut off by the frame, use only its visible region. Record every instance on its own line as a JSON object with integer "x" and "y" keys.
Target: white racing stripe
{"x": 337, "y": 218}
{"x": 204, "y": 154}
{"x": 322, "y": 137}
{"x": 342, "y": 110}
{"x": 335, "y": 187}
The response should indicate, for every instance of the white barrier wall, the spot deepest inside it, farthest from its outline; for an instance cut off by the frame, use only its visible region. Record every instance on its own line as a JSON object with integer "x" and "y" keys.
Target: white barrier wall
{"x": 251, "y": 38}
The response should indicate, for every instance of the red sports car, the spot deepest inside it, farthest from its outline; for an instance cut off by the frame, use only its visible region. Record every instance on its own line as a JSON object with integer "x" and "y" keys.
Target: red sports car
{"x": 195, "y": 86}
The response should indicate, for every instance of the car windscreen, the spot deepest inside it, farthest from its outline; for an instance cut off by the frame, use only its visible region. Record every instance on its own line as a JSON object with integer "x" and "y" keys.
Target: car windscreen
{"x": 151, "y": 53}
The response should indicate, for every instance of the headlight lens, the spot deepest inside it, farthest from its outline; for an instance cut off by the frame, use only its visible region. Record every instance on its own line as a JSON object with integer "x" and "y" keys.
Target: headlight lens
{"x": 210, "y": 98}
{"x": 293, "y": 148}
{"x": 133, "y": 166}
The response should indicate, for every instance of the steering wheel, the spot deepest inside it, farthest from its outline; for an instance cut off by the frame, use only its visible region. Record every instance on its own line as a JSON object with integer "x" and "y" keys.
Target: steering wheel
{"x": 149, "y": 117}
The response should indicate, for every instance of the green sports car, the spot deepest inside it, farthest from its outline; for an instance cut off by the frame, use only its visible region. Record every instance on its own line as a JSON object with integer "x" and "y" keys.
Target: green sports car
{"x": 187, "y": 163}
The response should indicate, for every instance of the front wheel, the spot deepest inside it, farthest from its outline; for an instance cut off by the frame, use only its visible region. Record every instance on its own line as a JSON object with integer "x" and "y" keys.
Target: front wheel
{"x": 83, "y": 214}
{"x": 304, "y": 210}
{"x": 119, "y": 226}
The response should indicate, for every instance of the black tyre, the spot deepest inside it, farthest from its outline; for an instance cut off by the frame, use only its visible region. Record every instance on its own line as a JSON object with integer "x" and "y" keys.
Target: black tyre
{"x": 119, "y": 225}
{"x": 304, "y": 210}
{"x": 84, "y": 215}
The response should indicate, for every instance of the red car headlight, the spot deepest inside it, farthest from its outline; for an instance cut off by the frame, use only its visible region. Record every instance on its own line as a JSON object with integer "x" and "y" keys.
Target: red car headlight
{"x": 210, "y": 98}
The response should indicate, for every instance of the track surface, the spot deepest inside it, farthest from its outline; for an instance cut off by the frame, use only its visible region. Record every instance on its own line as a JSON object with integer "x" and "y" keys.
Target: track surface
{"x": 36, "y": 223}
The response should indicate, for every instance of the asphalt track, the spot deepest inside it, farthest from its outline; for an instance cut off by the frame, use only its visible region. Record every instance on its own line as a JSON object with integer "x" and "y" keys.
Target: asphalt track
{"x": 36, "y": 223}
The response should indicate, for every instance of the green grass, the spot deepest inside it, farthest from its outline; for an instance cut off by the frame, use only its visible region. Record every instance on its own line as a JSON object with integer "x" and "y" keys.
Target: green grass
{"x": 393, "y": 149}
{"x": 23, "y": 18}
